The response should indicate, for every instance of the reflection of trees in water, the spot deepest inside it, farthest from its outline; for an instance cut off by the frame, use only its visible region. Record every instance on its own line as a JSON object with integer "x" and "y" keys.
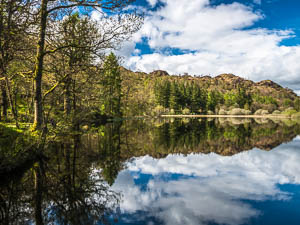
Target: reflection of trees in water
{"x": 109, "y": 151}
{"x": 222, "y": 136}
{"x": 115, "y": 143}
{"x": 64, "y": 189}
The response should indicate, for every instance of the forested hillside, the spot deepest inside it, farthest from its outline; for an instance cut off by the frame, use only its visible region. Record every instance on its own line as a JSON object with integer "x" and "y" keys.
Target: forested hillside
{"x": 160, "y": 93}
{"x": 54, "y": 63}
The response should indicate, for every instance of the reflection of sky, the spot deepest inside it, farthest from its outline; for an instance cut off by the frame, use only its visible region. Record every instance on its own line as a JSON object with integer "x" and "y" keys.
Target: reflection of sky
{"x": 208, "y": 189}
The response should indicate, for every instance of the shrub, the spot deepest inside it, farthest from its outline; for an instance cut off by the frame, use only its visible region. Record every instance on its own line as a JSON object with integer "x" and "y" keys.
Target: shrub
{"x": 158, "y": 110}
{"x": 186, "y": 111}
{"x": 270, "y": 107}
{"x": 222, "y": 112}
{"x": 261, "y": 112}
{"x": 210, "y": 112}
{"x": 172, "y": 112}
{"x": 296, "y": 115}
{"x": 289, "y": 111}
{"x": 290, "y": 108}
{"x": 276, "y": 112}
{"x": 239, "y": 111}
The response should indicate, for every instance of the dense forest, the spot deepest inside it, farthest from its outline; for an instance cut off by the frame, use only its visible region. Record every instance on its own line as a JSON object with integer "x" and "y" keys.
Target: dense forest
{"x": 55, "y": 61}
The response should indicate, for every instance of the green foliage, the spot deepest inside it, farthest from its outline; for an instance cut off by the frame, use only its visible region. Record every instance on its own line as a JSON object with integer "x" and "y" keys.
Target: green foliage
{"x": 296, "y": 115}
{"x": 276, "y": 112}
{"x": 230, "y": 98}
{"x": 212, "y": 100}
{"x": 288, "y": 103}
{"x": 111, "y": 87}
{"x": 238, "y": 111}
{"x": 297, "y": 104}
{"x": 264, "y": 99}
{"x": 175, "y": 97}
{"x": 186, "y": 111}
{"x": 261, "y": 112}
{"x": 289, "y": 112}
{"x": 222, "y": 112}
{"x": 162, "y": 92}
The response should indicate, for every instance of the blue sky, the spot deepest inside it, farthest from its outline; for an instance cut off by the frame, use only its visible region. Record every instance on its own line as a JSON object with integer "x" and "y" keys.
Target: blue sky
{"x": 255, "y": 39}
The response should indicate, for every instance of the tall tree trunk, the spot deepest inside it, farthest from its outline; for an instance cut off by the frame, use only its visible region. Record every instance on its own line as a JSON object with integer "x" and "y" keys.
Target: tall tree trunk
{"x": 67, "y": 96}
{"x": 9, "y": 95}
{"x": 4, "y": 100}
{"x": 38, "y": 195}
{"x": 38, "y": 105}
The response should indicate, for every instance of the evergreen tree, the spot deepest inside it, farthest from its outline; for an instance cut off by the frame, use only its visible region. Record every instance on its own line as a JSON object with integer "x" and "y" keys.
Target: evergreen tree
{"x": 166, "y": 93}
{"x": 182, "y": 91}
{"x": 242, "y": 98}
{"x": 162, "y": 92}
{"x": 111, "y": 86}
{"x": 212, "y": 101}
{"x": 175, "y": 96}
{"x": 188, "y": 96}
{"x": 196, "y": 98}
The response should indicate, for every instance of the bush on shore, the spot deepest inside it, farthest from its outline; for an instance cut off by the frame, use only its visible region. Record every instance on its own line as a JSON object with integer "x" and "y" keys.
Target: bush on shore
{"x": 289, "y": 111}
{"x": 261, "y": 112}
{"x": 186, "y": 111}
{"x": 296, "y": 115}
{"x": 222, "y": 112}
{"x": 239, "y": 111}
{"x": 276, "y": 112}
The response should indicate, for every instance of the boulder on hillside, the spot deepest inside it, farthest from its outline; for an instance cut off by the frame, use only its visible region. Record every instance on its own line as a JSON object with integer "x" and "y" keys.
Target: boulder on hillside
{"x": 268, "y": 83}
{"x": 159, "y": 73}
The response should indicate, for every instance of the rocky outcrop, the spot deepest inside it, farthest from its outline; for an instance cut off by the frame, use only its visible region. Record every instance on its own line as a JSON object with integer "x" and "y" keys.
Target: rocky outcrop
{"x": 159, "y": 73}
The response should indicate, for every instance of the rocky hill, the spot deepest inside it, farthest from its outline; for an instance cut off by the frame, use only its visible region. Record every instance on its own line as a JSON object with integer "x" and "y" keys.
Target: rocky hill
{"x": 140, "y": 92}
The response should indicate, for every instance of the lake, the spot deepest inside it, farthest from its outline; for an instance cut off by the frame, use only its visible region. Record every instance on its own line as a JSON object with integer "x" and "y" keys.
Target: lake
{"x": 173, "y": 171}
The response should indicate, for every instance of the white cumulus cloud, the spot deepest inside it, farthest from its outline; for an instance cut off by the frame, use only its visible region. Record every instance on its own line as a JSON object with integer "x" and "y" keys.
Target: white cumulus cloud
{"x": 152, "y": 2}
{"x": 215, "y": 187}
{"x": 213, "y": 40}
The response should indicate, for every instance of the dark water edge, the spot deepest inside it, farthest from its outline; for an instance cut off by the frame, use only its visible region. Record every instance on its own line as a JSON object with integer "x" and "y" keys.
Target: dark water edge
{"x": 80, "y": 179}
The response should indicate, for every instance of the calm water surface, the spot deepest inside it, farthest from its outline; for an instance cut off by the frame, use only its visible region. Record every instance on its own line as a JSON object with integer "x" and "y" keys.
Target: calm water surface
{"x": 163, "y": 172}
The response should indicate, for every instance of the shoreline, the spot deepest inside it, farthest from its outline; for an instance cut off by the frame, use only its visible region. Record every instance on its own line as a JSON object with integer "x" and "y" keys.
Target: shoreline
{"x": 228, "y": 116}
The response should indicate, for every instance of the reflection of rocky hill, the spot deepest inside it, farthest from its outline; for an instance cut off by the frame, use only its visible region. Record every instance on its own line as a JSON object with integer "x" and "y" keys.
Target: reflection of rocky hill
{"x": 199, "y": 136}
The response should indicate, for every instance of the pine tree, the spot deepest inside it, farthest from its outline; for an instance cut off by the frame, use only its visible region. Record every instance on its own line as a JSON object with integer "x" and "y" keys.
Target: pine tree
{"x": 111, "y": 86}
{"x": 162, "y": 92}
{"x": 174, "y": 96}
{"x": 195, "y": 98}
{"x": 211, "y": 101}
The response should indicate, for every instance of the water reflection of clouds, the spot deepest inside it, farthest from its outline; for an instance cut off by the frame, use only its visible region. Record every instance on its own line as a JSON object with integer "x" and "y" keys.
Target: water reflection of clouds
{"x": 214, "y": 187}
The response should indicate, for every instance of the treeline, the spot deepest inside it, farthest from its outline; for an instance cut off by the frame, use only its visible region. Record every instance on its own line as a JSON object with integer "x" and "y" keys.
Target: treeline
{"x": 158, "y": 93}
{"x": 52, "y": 57}
{"x": 188, "y": 97}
